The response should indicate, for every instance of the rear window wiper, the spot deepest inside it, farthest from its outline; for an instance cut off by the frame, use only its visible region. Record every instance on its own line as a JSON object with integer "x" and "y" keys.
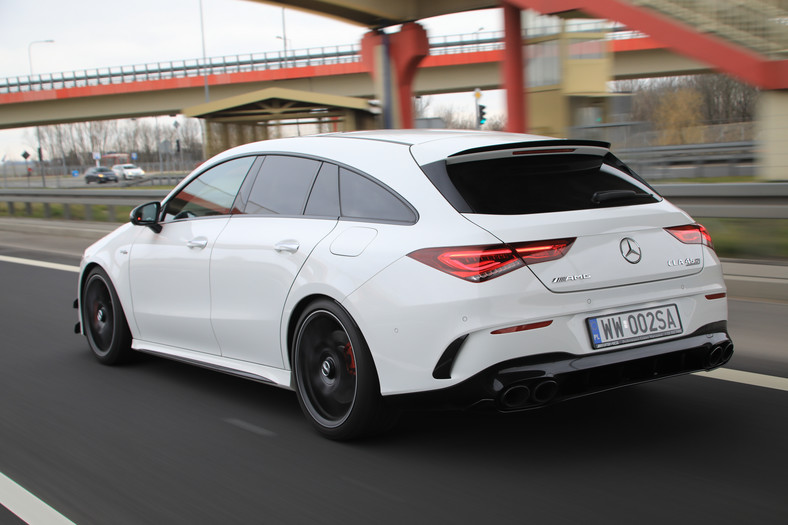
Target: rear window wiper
{"x": 617, "y": 195}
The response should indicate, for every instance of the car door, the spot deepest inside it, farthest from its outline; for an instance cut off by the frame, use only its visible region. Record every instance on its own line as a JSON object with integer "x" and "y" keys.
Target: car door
{"x": 260, "y": 252}
{"x": 169, "y": 270}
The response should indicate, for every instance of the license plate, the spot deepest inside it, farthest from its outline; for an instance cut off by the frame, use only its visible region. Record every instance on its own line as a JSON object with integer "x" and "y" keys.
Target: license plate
{"x": 637, "y": 325}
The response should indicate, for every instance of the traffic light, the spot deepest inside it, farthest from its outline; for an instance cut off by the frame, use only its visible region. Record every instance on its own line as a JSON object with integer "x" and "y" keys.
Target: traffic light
{"x": 481, "y": 116}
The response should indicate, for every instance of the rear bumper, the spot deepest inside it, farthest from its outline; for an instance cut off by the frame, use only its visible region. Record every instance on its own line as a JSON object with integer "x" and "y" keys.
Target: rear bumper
{"x": 536, "y": 381}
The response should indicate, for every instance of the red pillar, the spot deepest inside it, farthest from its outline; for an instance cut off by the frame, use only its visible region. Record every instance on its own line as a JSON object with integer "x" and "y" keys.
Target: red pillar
{"x": 514, "y": 70}
{"x": 406, "y": 50}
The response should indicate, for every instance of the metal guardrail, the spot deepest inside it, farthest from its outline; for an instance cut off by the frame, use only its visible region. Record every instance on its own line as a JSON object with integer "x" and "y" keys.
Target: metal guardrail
{"x": 84, "y": 198}
{"x": 692, "y": 160}
{"x": 719, "y": 152}
{"x": 729, "y": 200}
{"x": 736, "y": 200}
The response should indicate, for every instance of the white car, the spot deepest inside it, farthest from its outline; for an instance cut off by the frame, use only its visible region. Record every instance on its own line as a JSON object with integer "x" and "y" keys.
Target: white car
{"x": 375, "y": 270}
{"x": 128, "y": 171}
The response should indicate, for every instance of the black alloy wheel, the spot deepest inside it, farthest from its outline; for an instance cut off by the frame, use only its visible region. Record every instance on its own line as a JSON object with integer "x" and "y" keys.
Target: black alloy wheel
{"x": 104, "y": 321}
{"x": 336, "y": 380}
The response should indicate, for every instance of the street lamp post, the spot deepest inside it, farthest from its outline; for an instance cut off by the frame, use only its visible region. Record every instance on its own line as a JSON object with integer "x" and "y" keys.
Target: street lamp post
{"x": 204, "y": 57}
{"x": 283, "y": 37}
{"x": 30, "y": 80}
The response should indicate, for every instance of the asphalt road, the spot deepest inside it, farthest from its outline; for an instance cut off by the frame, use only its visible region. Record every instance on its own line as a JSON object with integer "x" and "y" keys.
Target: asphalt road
{"x": 160, "y": 442}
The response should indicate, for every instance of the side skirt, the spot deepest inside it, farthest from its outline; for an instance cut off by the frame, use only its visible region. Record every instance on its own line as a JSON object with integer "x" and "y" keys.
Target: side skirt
{"x": 260, "y": 373}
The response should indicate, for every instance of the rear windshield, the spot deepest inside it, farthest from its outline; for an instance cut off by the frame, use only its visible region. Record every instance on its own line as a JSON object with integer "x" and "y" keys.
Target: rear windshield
{"x": 519, "y": 185}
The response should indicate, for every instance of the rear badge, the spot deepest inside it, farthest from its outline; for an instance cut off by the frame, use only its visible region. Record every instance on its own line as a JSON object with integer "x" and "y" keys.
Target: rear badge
{"x": 570, "y": 278}
{"x": 630, "y": 250}
{"x": 684, "y": 262}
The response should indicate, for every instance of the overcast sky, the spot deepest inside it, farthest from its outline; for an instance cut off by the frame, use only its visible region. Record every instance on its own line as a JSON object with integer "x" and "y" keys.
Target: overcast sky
{"x": 100, "y": 33}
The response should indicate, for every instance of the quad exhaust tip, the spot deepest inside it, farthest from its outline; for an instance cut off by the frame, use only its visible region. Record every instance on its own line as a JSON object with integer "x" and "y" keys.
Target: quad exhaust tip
{"x": 521, "y": 395}
{"x": 719, "y": 355}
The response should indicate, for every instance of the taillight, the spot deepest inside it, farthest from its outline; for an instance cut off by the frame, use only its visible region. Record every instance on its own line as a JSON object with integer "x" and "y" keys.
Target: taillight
{"x": 472, "y": 263}
{"x": 541, "y": 251}
{"x": 482, "y": 263}
{"x": 691, "y": 234}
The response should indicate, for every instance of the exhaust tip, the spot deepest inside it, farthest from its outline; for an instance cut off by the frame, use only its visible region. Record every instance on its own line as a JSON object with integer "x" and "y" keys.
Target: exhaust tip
{"x": 714, "y": 358}
{"x": 515, "y": 396}
{"x": 727, "y": 352}
{"x": 545, "y": 391}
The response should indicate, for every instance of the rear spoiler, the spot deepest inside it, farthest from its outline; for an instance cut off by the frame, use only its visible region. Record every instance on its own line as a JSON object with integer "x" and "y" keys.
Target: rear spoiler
{"x": 538, "y": 147}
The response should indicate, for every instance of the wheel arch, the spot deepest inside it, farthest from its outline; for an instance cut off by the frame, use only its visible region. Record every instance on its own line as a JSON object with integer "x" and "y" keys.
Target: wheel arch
{"x": 299, "y": 309}
{"x": 295, "y": 314}
{"x": 83, "y": 277}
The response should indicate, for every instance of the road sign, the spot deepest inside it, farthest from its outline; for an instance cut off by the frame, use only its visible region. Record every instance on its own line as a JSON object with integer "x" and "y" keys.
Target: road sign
{"x": 25, "y": 155}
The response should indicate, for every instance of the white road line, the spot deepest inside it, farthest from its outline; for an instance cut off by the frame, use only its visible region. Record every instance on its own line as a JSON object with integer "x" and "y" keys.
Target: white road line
{"x": 26, "y": 506}
{"x": 254, "y": 429}
{"x": 40, "y": 264}
{"x": 747, "y": 378}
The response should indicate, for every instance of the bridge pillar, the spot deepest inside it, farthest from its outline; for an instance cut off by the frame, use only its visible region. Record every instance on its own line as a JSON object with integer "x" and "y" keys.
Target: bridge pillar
{"x": 393, "y": 60}
{"x": 514, "y": 70}
{"x": 772, "y": 132}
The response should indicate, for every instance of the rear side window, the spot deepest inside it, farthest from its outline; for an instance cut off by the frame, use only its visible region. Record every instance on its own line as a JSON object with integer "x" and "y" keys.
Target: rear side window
{"x": 361, "y": 198}
{"x": 527, "y": 184}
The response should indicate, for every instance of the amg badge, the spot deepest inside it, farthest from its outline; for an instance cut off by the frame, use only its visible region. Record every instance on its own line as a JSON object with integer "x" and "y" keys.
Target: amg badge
{"x": 572, "y": 278}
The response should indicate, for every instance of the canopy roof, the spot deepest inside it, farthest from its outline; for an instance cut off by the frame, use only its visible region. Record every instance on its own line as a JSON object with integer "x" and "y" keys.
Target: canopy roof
{"x": 276, "y": 104}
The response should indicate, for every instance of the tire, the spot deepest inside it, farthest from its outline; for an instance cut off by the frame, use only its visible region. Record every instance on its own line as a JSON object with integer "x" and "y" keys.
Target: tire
{"x": 336, "y": 381}
{"x": 105, "y": 323}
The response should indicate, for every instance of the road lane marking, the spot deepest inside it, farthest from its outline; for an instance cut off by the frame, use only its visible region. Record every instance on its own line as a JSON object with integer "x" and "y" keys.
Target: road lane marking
{"x": 40, "y": 264}
{"x": 747, "y": 378}
{"x": 26, "y": 506}
{"x": 254, "y": 429}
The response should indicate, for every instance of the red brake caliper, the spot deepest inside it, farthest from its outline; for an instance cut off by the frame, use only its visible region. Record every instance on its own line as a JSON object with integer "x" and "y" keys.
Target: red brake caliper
{"x": 350, "y": 359}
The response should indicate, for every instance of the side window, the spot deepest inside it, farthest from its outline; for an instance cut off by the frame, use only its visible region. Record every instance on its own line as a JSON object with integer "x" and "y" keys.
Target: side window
{"x": 361, "y": 198}
{"x": 324, "y": 199}
{"x": 212, "y": 193}
{"x": 282, "y": 186}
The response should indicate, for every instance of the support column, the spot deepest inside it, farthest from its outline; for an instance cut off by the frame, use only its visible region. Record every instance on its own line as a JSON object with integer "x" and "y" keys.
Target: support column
{"x": 771, "y": 129}
{"x": 514, "y": 71}
{"x": 393, "y": 60}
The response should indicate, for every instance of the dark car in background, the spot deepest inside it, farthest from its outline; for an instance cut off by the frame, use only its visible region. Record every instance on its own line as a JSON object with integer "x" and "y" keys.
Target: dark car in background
{"x": 100, "y": 174}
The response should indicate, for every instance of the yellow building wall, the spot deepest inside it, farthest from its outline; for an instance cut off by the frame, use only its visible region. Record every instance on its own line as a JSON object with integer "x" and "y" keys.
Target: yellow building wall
{"x": 589, "y": 76}
{"x": 548, "y": 113}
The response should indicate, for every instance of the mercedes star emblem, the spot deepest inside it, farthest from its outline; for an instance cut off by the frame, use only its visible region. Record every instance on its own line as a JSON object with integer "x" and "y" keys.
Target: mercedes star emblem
{"x": 630, "y": 250}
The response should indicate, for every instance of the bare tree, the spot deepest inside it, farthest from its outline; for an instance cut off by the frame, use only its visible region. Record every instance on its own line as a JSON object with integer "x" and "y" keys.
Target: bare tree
{"x": 456, "y": 119}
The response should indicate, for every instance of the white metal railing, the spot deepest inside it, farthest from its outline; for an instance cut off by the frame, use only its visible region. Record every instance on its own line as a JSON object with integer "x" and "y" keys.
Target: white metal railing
{"x": 270, "y": 60}
{"x": 759, "y": 25}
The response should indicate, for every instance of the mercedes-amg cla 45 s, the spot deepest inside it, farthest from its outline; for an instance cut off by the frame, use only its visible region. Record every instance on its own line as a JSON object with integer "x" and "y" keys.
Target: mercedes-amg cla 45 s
{"x": 375, "y": 270}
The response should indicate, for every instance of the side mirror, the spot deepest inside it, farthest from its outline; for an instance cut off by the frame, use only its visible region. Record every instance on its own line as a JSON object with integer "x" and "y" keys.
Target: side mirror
{"x": 147, "y": 215}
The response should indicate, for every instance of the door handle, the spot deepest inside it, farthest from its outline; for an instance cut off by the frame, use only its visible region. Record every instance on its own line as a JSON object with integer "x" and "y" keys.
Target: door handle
{"x": 197, "y": 243}
{"x": 289, "y": 246}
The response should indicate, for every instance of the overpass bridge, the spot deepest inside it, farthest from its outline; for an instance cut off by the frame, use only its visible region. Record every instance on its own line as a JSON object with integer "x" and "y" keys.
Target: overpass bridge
{"x": 456, "y": 63}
